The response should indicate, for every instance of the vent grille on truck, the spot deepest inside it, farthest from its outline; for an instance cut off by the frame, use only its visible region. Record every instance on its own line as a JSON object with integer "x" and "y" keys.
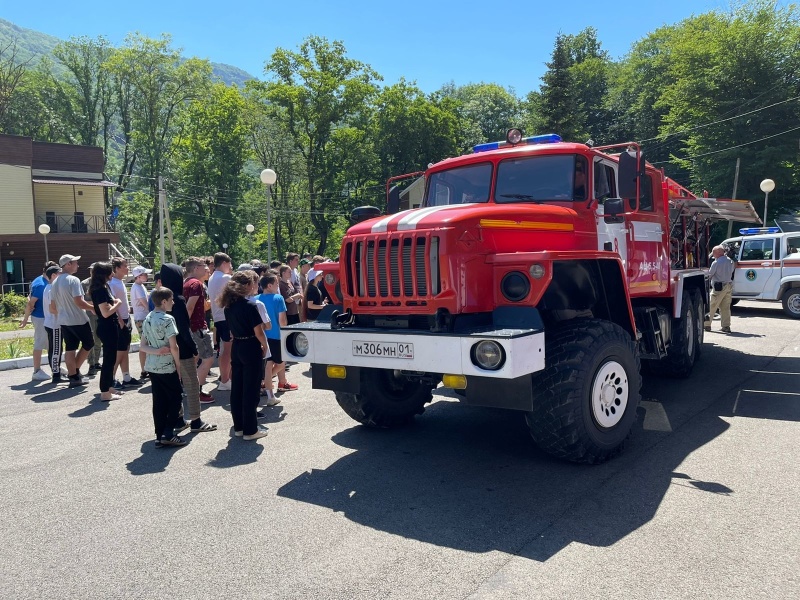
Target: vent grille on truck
{"x": 399, "y": 269}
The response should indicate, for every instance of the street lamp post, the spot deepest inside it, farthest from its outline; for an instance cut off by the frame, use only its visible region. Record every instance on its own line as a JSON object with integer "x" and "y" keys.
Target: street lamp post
{"x": 766, "y": 186}
{"x": 268, "y": 177}
{"x": 250, "y": 229}
{"x": 44, "y": 229}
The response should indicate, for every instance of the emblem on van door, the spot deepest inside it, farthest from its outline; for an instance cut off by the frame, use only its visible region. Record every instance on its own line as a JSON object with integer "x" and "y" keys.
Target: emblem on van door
{"x": 751, "y": 275}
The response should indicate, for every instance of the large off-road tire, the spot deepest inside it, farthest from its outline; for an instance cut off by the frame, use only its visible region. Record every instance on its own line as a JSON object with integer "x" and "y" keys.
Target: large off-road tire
{"x": 585, "y": 399}
{"x": 699, "y": 319}
{"x": 682, "y": 350}
{"x": 791, "y": 302}
{"x": 387, "y": 399}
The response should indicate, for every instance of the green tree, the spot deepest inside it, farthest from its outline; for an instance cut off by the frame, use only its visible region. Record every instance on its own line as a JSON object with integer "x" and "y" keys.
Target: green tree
{"x": 12, "y": 72}
{"x": 318, "y": 89}
{"x": 208, "y": 159}
{"x": 487, "y": 111}
{"x": 412, "y": 130}
{"x": 560, "y": 108}
{"x": 84, "y": 90}
{"x": 162, "y": 84}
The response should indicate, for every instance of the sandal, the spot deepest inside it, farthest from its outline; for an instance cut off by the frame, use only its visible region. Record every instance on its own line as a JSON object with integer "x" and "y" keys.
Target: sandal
{"x": 204, "y": 427}
{"x": 173, "y": 441}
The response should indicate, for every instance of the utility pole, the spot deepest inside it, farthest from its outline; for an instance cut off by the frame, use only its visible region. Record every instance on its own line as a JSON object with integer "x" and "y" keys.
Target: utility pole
{"x": 735, "y": 187}
{"x": 169, "y": 228}
{"x": 161, "y": 203}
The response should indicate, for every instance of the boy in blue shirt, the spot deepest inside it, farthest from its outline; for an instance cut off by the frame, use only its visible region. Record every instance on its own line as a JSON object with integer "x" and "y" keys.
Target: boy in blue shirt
{"x": 276, "y": 309}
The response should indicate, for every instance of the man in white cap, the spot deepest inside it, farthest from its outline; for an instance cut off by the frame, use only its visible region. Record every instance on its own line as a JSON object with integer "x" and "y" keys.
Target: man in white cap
{"x": 70, "y": 306}
{"x": 140, "y": 306}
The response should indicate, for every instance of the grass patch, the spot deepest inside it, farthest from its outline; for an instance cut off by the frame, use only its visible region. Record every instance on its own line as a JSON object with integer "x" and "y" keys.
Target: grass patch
{"x": 20, "y": 347}
{"x": 16, "y": 348}
{"x": 7, "y": 324}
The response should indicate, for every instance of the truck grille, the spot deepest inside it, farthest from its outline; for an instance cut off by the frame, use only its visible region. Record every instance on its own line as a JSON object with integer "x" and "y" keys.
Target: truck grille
{"x": 397, "y": 270}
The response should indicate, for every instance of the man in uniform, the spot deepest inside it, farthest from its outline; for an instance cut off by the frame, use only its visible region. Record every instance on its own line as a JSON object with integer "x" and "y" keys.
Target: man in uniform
{"x": 721, "y": 273}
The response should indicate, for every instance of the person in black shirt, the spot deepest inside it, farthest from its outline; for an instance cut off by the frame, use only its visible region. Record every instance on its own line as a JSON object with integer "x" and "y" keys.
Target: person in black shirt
{"x": 313, "y": 302}
{"x": 247, "y": 352}
{"x": 105, "y": 307}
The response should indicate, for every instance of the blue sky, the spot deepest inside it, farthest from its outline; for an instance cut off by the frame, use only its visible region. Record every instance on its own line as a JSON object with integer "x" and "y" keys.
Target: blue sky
{"x": 432, "y": 42}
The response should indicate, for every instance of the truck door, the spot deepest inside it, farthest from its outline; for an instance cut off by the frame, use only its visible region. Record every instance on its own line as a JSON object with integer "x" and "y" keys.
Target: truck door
{"x": 610, "y": 236}
{"x": 648, "y": 264}
{"x": 758, "y": 270}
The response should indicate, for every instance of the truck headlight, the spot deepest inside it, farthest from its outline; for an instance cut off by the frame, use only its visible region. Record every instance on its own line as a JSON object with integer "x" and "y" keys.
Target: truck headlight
{"x": 488, "y": 355}
{"x": 297, "y": 344}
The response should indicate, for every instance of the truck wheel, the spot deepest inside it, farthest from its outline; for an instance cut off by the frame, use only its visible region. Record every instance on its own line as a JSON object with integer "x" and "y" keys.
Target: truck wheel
{"x": 387, "y": 399}
{"x": 682, "y": 350}
{"x": 586, "y": 397}
{"x": 791, "y": 302}
{"x": 699, "y": 319}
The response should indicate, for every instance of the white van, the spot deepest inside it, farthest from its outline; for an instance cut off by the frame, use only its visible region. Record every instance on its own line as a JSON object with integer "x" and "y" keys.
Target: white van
{"x": 768, "y": 266}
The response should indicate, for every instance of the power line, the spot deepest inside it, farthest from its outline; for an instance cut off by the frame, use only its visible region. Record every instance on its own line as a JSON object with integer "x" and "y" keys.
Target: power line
{"x": 730, "y": 147}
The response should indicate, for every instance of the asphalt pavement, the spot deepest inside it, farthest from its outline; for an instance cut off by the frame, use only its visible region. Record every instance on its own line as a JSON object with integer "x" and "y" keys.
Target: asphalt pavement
{"x": 702, "y": 503}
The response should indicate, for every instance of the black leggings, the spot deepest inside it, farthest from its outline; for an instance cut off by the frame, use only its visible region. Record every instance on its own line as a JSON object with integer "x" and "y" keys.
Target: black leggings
{"x": 245, "y": 384}
{"x": 108, "y": 334}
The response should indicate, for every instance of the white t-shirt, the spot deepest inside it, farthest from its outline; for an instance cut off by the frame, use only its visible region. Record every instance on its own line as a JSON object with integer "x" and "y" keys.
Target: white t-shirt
{"x": 49, "y": 318}
{"x": 119, "y": 291}
{"x": 217, "y": 283}
{"x": 262, "y": 310}
{"x": 139, "y": 292}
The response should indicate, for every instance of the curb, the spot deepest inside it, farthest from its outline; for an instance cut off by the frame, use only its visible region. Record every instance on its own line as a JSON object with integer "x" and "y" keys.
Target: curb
{"x": 25, "y": 362}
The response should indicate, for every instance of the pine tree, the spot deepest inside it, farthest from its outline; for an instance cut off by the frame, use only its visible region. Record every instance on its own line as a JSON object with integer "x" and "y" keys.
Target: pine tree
{"x": 560, "y": 108}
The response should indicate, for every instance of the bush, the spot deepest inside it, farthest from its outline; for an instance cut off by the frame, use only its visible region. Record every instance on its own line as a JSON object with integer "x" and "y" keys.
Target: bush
{"x": 13, "y": 305}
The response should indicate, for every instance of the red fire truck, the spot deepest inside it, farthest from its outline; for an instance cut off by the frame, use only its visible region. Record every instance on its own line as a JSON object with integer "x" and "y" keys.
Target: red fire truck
{"x": 535, "y": 276}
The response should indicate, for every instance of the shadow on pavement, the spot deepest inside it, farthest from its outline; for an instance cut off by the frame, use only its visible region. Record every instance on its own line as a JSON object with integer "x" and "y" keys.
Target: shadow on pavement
{"x": 470, "y": 478}
{"x": 95, "y": 405}
{"x": 238, "y": 452}
{"x": 153, "y": 460}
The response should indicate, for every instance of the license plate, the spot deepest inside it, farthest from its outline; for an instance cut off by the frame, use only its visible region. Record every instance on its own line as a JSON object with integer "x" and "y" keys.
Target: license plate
{"x": 383, "y": 349}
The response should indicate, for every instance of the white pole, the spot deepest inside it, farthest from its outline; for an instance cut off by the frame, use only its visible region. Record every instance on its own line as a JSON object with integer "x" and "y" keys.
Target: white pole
{"x": 269, "y": 224}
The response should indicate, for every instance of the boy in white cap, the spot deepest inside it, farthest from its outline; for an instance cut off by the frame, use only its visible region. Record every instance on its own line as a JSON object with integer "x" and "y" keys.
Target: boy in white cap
{"x": 139, "y": 303}
{"x": 71, "y": 307}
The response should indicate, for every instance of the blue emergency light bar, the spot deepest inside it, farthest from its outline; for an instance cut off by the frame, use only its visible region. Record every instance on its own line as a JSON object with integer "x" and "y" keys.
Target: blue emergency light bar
{"x": 758, "y": 230}
{"x": 550, "y": 138}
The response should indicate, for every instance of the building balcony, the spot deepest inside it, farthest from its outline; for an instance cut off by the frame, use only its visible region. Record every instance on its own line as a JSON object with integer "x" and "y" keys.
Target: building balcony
{"x": 75, "y": 223}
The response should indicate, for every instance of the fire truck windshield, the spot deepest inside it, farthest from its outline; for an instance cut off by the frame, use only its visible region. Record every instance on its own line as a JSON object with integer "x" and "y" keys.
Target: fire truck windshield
{"x": 460, "y": 186}
{"x": 560, "y": 177}
{"x": 541, "y": 178}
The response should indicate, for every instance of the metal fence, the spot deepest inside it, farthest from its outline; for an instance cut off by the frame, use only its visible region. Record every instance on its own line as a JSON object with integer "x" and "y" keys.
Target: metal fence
{"x": 75, "y": 223}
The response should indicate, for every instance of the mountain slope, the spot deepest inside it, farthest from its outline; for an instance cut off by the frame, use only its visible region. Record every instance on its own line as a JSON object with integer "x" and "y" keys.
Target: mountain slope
{"x": 33, "y": 45}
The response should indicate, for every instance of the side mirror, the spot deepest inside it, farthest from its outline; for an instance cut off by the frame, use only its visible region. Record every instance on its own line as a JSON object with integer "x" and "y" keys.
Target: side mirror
{"x": 613, "y": 209}
{"x": 364, "y": 213}
{"x": 631, "y": 168}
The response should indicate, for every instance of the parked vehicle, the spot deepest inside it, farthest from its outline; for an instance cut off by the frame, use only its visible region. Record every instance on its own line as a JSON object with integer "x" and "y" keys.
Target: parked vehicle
{"x": 767, "y": 267}
{"x": 536, "y": 275}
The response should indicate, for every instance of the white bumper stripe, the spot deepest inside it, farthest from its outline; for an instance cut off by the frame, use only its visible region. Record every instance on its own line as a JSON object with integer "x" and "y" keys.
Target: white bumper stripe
{"x": 432, "y": 353}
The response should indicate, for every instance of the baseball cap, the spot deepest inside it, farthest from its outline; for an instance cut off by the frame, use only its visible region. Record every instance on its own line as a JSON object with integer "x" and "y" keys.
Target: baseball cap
{"x": 50, "y": 270}
{"x": 140, "y": 270}
{"x": 67, "y": 258}
{"x": 245, "y": 267}
{"x": 312, "y": 274}
{"x": 304, "y": 261}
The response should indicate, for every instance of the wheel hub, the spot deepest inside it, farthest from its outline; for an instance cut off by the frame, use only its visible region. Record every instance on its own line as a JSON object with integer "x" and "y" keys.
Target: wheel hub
{"x": 794, "y": 303}
{"x": 609, "y": 394}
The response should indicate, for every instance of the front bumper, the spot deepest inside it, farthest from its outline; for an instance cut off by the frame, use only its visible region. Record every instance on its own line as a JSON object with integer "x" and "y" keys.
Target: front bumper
{"x": 432, "y": 352}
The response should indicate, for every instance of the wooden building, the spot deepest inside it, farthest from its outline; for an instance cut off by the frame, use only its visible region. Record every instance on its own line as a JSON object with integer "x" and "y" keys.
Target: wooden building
{"x": 57, "y": 185}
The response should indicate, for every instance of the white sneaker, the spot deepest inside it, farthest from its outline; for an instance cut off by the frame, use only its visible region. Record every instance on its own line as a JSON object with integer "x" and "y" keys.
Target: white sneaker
{"x": 64, "y": 373}
{"x": 272, "y": 401}
{"x": 238, "y": 433}
{"x": 40, "y": 376}
{"x": 262, "y": 432}
{"x": 224, "y": 387}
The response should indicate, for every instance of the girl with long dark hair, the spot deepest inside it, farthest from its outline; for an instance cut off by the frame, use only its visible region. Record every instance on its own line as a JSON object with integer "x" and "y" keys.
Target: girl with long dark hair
{"x": 106, "y": 307}
{"x": 247, "y": 352}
